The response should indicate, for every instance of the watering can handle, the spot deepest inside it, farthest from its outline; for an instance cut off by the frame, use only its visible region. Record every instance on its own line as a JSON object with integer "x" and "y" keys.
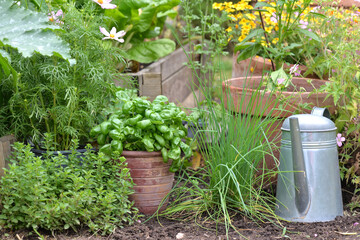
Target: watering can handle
{"x": 320, "y": 112}
{"x": 302, "y": 194}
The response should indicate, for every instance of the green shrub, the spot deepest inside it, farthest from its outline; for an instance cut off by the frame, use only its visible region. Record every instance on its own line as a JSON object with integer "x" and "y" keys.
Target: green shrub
{"x": 59, "y": 193}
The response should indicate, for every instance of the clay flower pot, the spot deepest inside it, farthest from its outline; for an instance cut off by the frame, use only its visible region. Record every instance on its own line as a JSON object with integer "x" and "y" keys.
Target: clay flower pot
{"x": 242, "y": 92}
{"x": 152, "y": 178}
{"x": 243, "y": 89}
{"x": 258, "y": 65}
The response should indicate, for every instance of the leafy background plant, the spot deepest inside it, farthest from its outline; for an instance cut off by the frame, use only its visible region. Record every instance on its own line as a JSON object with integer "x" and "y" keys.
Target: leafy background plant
{"x": 59, "y": 193}
{"x": 143, "y": 22}
{"x": 56, "y": 97}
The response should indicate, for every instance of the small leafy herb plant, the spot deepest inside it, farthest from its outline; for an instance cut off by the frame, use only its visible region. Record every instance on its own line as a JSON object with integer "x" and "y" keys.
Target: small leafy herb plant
{"x": 137, "y": 124}
{"x": 58, "y": 193}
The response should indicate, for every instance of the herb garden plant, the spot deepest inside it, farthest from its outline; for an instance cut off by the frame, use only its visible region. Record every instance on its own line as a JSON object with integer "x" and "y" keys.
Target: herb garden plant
{"x": 61, "y": 193}
{"x": 136, "y": 124}
{"x": 59, "y": 97}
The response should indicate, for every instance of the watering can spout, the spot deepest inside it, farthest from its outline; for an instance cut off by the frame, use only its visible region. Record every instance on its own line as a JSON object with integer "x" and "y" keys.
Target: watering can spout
{"x": 302, "y": 194}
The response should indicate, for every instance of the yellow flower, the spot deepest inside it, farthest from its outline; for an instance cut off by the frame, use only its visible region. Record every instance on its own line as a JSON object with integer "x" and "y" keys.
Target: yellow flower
{"x": 229, "y": 29}
{"x": 241, "y": 38}
{"x": 218, "y": 6}
{"x": 251, "y": 69}
{"x": 275, "y": 40}
{"x": 268, "y": 29}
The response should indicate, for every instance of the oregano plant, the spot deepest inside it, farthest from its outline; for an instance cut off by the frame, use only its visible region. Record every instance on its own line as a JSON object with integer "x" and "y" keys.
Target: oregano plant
{"x": 59, "y": 193}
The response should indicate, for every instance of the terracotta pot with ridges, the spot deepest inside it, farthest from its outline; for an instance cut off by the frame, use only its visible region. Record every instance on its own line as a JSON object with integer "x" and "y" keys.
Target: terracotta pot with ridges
{"x": 246, "y": 96}
{"x": 152, "y": 178}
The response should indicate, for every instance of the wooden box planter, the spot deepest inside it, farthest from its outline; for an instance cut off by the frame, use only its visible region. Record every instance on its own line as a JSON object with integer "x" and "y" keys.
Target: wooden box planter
{"x": 168, "y": 76}
{"x": 5, "y": 150}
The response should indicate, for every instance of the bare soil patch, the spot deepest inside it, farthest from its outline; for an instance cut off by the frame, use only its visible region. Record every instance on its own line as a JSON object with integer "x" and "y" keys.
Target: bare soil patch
{"x": 345, "y": 227}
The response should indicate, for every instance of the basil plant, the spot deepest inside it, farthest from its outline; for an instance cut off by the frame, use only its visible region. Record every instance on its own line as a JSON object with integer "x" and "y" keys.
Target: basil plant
{"x": 136, "y": 124}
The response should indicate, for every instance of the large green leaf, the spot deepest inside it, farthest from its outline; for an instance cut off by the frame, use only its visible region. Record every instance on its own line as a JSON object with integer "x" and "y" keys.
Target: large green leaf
{"x": 29, "y": 32}
{"x": 150, "y": 13}
{"x": 249, "y": 52}
{"x": 147, "y": 52}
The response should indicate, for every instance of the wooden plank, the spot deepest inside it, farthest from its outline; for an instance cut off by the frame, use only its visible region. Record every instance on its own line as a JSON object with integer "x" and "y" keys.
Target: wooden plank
{"x": 150, "y": 85}
{"x": 174, "y": 62}
{"x": 5, "y": 151}
{"x": 178, "y": 86}
{"x": 2, "y": 160}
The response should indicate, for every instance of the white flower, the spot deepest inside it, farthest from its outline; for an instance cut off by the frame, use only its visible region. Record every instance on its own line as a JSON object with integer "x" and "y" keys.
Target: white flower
{"x": 105, "y": 4}
{"x": 113, "y": 34}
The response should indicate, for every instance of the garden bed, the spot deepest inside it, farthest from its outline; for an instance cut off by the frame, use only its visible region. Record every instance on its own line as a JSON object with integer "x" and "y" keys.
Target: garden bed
{"x": 346, "y": 227}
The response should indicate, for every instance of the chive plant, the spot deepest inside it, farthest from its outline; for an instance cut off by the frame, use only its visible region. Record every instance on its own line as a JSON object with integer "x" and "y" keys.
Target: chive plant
{"x": 233, "y": 177}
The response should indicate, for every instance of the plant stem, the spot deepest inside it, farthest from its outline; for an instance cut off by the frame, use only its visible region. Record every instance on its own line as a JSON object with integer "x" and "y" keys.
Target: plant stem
{"x": 266, "y": 39}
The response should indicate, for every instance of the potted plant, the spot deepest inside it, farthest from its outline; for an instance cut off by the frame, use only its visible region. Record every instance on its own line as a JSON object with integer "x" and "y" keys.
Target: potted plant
{"x": 272, "y": 30}
{"x": 149, "y": 135}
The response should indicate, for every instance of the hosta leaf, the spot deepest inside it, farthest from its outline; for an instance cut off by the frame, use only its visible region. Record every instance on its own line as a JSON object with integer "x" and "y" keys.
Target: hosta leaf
{"x": 147, "y": 52}
{"x": 29, "y": 32}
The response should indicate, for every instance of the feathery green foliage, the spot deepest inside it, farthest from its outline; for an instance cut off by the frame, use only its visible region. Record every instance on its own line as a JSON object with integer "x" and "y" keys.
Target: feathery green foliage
{"x": 56, "y": 97}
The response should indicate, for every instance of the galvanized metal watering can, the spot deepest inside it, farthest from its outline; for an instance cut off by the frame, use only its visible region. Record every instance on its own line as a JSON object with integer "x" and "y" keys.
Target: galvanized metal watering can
{"x": 308, "y": 186}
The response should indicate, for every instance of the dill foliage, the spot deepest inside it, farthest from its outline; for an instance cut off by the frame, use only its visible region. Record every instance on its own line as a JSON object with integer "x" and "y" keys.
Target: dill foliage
{"x": 56, "y": 97}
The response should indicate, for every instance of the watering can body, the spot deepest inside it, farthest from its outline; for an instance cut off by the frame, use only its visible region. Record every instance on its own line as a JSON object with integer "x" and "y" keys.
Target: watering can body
{"x": 308, "y": 186}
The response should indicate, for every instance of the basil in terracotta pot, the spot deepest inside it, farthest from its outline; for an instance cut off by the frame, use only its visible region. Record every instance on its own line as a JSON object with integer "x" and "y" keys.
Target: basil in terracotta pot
{"x": 136, "y": 124}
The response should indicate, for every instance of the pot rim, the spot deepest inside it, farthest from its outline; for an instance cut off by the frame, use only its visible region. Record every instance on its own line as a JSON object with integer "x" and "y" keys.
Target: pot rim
{"x": 227, "y": 83}
{"x": 127, "y": 153}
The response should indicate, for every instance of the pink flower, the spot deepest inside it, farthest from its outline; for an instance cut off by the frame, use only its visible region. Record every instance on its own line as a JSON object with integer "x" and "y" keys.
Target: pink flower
{"x": 295, "y": 70}
{"x": 105, "y": 4}
{"x": 113, "y": 34}
{"x": 303, "y": 24}
{"x": 54, "y": 17}
{"x": 356, "y": 223}
{"x": 280, "y": 80}
{"x": 339, "y": 139}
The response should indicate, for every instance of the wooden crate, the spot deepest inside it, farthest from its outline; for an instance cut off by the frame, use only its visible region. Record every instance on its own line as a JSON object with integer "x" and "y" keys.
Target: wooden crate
{"x": 168, "y": 76}
{"x": 5, "y": 150}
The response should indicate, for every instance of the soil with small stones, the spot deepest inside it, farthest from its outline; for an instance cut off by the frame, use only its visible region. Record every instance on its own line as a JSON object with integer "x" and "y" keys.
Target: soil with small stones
{"x": 345, "y": 227}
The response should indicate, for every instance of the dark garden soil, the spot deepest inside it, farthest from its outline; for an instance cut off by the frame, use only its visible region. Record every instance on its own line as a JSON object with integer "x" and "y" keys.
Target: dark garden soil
{"x": 346, "y": 227}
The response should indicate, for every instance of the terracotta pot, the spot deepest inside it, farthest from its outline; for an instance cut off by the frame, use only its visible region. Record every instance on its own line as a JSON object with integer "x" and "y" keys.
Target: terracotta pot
{"x": 258, "y": 66}
{"x": 152, "y": 179}
{"x": 342, "y": 3}
{"x": 243, "y": 89}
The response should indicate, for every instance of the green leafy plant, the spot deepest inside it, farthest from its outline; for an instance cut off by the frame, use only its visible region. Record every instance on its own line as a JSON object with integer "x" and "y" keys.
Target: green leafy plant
{"x": 55, "y": 97}
{"x": 59, "y": 193}
{"x": 235, "y": 171}
{"x": 28, "y": 32}
{"x": 143, "y": 22}
{"x": 137, "y": 124}
{"x": 270, "y": 29}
